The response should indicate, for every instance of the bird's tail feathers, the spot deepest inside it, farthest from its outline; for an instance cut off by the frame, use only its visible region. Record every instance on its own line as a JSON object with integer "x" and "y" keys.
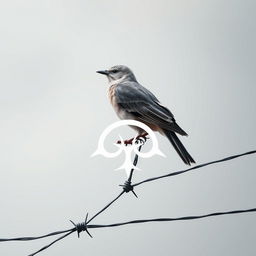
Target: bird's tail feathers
{"x": 178, "y": 146}
{"x": 175, "y": 127}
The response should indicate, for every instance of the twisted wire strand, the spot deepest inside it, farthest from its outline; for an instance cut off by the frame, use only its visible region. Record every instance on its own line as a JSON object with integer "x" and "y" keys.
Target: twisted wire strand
{"x": 193, "y": 168}
{"x": 105, "y": 208}
{"x": 30, "y": 238}
{"x": 171, "y": 219}
{"x": 53, "y": 242}
{"x": 135, "y": 162}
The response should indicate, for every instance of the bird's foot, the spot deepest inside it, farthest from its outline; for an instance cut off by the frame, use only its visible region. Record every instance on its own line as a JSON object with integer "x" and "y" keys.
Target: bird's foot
{"x": 142, "y": 138}
{"x": 126, "y": 142}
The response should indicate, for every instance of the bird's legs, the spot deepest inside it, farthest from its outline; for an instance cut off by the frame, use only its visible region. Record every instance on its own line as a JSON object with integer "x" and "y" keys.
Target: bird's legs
{"x": 141, "y": 137}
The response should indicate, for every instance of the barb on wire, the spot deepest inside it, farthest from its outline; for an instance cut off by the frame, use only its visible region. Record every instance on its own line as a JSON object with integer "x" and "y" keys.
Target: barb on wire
{"x": 82, "y": 226}
{"x": 127, "y": 187}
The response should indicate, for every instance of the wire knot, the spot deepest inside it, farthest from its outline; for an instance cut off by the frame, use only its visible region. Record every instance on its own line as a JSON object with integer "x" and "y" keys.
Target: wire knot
{"x": 127, "y": 187}
{"x": 82, "y": 226}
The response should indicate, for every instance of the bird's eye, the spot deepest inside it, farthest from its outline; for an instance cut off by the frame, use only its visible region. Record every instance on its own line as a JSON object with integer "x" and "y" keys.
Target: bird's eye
{"x": 114, "y": 71}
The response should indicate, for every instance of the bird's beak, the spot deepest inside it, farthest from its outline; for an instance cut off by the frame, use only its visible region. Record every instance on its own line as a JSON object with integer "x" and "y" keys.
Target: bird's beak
{"x": 103, "y": 72}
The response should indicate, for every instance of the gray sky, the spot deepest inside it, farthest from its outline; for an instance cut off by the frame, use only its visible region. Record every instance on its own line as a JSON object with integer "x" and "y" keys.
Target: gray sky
{"x": 197, "y": 56}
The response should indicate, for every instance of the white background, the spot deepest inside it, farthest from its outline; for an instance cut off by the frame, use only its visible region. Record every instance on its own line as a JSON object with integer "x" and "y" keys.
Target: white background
{"x": 197, "y": 56}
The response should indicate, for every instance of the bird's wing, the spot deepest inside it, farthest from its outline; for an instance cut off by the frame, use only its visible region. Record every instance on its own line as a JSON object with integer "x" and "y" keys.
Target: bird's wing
{"x": 139, "y": 101}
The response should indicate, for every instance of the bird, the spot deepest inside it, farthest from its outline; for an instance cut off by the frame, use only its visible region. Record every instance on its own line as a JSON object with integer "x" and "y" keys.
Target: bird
{"x": 131, "y": 100}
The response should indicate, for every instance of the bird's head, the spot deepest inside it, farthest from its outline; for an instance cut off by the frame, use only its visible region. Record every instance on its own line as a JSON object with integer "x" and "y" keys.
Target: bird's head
{"x": 118, "y": 74}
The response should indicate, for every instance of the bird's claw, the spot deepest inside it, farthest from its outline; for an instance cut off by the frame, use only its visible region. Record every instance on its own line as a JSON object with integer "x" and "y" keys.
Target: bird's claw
{"x": 126, "y": 142}
{"x": 142, "y": 138}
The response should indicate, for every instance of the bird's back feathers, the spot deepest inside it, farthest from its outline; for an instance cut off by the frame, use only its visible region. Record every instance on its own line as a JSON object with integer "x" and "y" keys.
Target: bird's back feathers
{"x": 136, "y": 99}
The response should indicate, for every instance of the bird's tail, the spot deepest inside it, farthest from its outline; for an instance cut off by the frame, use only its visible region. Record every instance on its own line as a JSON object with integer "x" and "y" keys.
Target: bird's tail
{"x": 178, "y": 146}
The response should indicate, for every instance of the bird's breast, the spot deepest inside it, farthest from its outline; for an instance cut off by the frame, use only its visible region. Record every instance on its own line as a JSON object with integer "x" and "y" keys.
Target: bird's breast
{"x": 121, "y": 113}
{"x": 112, "y": 96}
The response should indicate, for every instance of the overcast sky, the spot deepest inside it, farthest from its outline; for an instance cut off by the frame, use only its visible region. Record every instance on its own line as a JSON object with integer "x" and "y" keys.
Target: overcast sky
{"x": 197, "y": 56}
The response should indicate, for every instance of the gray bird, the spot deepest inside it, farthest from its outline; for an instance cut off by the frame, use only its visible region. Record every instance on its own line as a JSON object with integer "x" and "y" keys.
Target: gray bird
{"x": 131, "y": 100}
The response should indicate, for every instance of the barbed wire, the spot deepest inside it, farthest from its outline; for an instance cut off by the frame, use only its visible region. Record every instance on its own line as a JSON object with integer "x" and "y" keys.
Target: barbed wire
{"x": 195, "y": 167}
{"x": 127, "y": 187}
{"x": 172, "y": 219}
